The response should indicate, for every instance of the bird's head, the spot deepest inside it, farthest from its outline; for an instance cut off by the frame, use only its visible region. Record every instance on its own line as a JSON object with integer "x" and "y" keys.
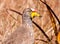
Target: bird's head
{"x": 31, "y": 13}
{"x": 34, "y": 13}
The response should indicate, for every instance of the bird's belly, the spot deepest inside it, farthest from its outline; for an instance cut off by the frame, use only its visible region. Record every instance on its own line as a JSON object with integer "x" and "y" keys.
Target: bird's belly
{"x": 20, "y": 36}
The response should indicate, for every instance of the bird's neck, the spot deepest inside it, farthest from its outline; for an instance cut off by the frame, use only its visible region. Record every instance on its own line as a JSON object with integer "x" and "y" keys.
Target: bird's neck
{"x": 27, "y": 22}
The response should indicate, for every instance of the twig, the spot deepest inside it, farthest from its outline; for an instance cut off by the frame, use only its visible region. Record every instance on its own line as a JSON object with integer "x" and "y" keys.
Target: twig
{"x": 53, "y": 20}
{"x": 51, "y": 11}
{"x": 42, "y": 31}
{"x": 35, "y": 24}
{"x": 42, "y": 40}
{"x": 15, "y": 11}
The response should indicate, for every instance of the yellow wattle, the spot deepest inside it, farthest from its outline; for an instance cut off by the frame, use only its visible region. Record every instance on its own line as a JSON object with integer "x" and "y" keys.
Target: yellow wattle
{"x": 34, "y": 14}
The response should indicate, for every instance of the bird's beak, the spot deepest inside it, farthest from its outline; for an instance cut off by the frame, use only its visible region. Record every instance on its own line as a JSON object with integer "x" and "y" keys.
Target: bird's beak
{"x": 35, "y": 14}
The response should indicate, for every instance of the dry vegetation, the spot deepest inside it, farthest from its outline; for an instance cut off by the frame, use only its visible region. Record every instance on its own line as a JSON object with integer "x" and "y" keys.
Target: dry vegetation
{"x": 9, "y": 21}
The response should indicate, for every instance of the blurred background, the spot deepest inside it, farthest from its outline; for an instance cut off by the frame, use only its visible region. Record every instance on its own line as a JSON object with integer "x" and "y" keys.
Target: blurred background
{"x": 9, "y": 21}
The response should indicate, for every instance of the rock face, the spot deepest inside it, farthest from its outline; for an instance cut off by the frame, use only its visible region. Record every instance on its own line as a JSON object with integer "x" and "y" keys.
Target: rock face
{"x": 9, "y": 21}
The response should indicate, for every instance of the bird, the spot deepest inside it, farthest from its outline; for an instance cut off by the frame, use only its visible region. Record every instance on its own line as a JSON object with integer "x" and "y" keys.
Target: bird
{"x": 25, "y": 33}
